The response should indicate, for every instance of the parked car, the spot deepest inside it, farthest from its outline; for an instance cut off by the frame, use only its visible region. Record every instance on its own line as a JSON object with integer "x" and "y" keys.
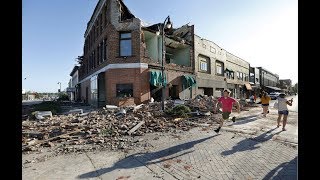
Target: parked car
{"x": 274, "y": 95}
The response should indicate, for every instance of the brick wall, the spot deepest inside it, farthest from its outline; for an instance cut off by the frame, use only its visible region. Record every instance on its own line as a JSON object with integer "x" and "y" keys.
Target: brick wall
{"x": 138, "y": 77}
{"x": 111, "y": 32}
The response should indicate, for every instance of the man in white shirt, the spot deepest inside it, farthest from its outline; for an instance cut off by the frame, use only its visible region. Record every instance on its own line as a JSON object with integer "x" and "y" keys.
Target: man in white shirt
{"x": 283, "y": 110}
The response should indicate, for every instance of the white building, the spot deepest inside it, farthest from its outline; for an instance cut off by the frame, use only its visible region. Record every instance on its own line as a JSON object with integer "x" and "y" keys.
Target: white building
{"x": 72, "y": 89}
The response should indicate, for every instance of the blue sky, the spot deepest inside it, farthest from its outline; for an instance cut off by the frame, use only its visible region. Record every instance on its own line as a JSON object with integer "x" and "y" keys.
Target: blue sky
{"x": 262, "y": 32}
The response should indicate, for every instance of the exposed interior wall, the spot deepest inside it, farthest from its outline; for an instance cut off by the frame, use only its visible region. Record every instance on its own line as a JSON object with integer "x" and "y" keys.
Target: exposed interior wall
{"x": 181, "y": 56}
{"x": 177, "y": 52}
{"x": 153, "y": 45}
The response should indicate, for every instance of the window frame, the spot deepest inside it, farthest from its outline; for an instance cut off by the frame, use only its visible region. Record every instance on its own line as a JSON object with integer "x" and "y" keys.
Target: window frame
{"x": 118, "y": 95}
{"x": 204, "y": 60}
{"x": 222, "y": 68}
{"x": 125, "y": 39}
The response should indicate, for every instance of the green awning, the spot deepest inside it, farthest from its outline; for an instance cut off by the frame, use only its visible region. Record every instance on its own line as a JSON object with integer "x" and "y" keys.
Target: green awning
{"x": 156, "y": 78}
{"x": 188, "y": 81}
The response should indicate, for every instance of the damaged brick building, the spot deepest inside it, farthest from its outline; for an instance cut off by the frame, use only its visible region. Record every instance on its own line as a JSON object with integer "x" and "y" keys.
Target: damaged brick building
{"x": 122, "y": 59}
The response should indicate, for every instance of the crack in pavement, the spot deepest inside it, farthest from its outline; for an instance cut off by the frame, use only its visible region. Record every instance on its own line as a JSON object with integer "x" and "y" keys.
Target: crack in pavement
{"x": 95, "y": 168}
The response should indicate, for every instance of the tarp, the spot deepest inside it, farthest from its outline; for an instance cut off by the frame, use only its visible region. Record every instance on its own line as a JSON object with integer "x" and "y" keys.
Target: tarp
{"x": 188, "y": 81}
{"x": 274, "y": 88}
{"x": 156, "y": 78}
{"x": 248, "y": 86}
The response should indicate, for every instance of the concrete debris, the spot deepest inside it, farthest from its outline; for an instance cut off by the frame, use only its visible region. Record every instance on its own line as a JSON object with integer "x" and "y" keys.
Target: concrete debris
{"x": 111, "y": 107}
{"x": 121, "y": 112}
{"x": 76, "y": 111}
{"x": 111, "y": 127}
{"x": 40, "y": 115}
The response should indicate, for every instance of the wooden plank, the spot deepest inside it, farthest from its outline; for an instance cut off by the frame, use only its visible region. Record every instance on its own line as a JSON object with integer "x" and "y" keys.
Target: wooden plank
{"x": 50, "y": 139}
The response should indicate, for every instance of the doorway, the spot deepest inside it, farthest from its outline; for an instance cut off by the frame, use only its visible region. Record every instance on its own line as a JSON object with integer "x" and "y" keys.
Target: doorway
{"x": 173, "y": 92}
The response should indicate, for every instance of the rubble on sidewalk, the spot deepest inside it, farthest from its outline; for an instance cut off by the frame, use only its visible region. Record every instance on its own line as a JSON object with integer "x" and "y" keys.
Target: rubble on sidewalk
{"x": 108, "y": 128}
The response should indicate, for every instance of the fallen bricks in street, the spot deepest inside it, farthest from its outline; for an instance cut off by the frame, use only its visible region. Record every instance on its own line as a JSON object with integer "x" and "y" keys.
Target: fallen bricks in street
{"x": 110, "y": 127}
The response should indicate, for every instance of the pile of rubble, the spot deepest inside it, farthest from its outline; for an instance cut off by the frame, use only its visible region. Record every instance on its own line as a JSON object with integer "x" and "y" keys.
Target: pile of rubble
{"x": 202, "y": 103}
{"x": 110, "y": 127}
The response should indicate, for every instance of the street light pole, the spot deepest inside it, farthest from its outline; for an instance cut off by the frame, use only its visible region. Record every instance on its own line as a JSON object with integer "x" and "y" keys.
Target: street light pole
{"x": 60, "y": 85}
{"x": 167, "y": 25}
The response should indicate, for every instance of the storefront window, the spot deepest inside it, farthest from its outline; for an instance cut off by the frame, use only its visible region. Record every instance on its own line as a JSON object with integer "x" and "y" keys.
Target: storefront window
{"x": 124, "y": 90}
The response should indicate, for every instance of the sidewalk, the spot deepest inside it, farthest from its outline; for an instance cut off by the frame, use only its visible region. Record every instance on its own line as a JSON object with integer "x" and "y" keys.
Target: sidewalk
{"x": 197, "y": 154}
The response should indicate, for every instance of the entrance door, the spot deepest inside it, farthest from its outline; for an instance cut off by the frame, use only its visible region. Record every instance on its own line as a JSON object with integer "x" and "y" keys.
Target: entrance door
{"x": 173, "y": 92}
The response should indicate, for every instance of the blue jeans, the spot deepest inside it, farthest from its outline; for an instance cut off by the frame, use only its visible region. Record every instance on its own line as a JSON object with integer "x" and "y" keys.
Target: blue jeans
{"x": 285, "y": 112}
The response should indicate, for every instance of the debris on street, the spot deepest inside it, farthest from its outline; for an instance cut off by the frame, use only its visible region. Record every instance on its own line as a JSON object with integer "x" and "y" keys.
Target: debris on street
{"x": 112, "y": 127}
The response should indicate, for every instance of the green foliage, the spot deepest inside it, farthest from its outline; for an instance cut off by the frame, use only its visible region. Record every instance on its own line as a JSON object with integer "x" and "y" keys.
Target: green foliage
{"x": 54, "y": 107}
{"x": 179, "y": 110}
{"x": 63, "y": 97}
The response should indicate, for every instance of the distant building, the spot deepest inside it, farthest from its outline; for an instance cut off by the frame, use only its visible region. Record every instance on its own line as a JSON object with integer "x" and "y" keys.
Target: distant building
{"x": 254, "y": 79}
{"x": 268, "y": 81}
{"x": 73, "y": 87}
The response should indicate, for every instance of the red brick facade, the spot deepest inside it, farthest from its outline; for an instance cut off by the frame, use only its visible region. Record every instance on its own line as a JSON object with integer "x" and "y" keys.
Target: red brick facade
{"x": 138, "y": 77}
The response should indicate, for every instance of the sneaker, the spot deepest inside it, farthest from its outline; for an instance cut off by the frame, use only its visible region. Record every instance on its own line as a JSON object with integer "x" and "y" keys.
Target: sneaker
{"x": 283, "y": 129}
{"x": 217, "y": 130}
{"x": 233, "y": 119}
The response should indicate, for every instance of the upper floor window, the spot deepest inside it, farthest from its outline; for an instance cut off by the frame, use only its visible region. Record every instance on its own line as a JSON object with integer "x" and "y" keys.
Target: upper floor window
{"x": 219, "y": 68}
{"x": 204, "y": 64}
{"x": 125, "y": 44}
{"x": 230, "y": 74}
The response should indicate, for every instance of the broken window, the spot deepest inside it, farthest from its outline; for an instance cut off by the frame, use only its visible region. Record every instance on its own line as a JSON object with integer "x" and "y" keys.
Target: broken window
{"x": 124, "y": 90}
{"x": 125, "y": 44}
{"x": 219, "y": 68}
{"x": 204, "y": 64}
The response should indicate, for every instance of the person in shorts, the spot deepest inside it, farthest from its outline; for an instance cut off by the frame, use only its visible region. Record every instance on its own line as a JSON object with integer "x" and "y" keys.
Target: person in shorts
{"x": 265, "y": 100}
{"x": 226, "y": 102}
{"x": 283, "y": 110}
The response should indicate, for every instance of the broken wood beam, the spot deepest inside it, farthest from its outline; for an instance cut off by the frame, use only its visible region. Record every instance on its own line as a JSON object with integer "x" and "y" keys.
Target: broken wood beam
{"x": 136, "y": 127}
{"x": 50, "y": 139}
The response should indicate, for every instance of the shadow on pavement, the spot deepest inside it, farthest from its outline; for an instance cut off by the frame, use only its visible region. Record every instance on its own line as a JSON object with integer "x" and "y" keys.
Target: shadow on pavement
{"x": 250, "y": 144}
{"x": 287, "y": 170}
{"x": 246, "y": 119}
{"x": 145, "y": 158}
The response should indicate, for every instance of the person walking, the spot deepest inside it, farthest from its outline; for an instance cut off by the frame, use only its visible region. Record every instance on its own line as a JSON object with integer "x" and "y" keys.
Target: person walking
{"x": 265, "y": 100}
{"x": 226, "y": 102}
{"x": 283, "y": 110}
